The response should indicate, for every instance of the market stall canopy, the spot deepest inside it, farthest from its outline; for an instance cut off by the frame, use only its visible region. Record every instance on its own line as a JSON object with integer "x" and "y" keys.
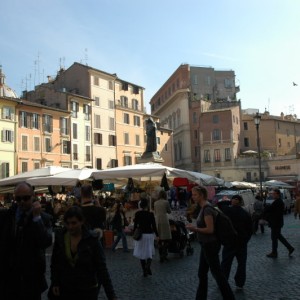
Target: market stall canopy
{"x": 68, "y": 178}
{"x": 250, "y": 152}
{"x": 277, "y": 184}
{"x": 42, "y": 172}
{"x": 151, "y": 170}
{"x": 240, "y": 185}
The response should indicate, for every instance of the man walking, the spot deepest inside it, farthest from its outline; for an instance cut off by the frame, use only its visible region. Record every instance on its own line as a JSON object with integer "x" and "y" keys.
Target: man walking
{"x": 274, "y": 215}
{"x": 242, "y": 222}
{"x": 25, "y": 233}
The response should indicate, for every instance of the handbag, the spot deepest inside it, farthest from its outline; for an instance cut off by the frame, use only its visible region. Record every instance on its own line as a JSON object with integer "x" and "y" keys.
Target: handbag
{"x": 137, "y": 234}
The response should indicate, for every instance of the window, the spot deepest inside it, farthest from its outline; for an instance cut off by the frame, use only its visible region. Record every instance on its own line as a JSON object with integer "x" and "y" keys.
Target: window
{"x": 110, "y": 85}
{"x": 194, "y": 117}
{"x": 245, "y": 126}
{"x": 99, "y": 163}
{"x": 98, "y": 138}
{"x": 112, "y": 140}
{"x": 195, "y": 79}
{"x": 96, "y": 80}
{"x": 248, "y": 176}
{"x": 126, "y": 118}
{"x": 166, "y": 147}
{"x": 228, "y": 82}
{"x": 127, "y": 160}
{"x": 227, "y": 154}
{"x": 66, "y": 147}
{"x": 111, "y": 104}
{"x": 87, "y": 133}
{"x": 233, "y": 118}
{"x": 97, "y": 101}
{"x": 114, "y": 163}
{"x": 35, "y": 121}
{"x": 246, "y": 142}
{"x": 216, "y": 134}
{"x": 36, "y": 143}
{"x": 288, "y": 132}
{"x": 135, "y": 104}
{"x": 136, "y": 120}
{"x": 279, "y": 142}
{"x": 5, "y": 169}
{"x": 196, "y": 151}
{"x": 126, "y": 138}
{"x": 97, "y": 121}
{"x": 137, "y": 140}
{"x": 36, "y": 165}
{"x": 74, "y": 109}
{"x": 48, "y": 123}
{"x": 124, "y": 101}
{"x": 75, "y": 131}
{"x": 158, "y": 140}
{"x": 217, "y": 155}
{"x": 7, "y": 135}
{"x": 48, "y": 144}
{"x": 75, "y": 151}
{"x": 24, "y": 119}
{"x": 206, "y": 156}
{"x": 87, "y": 112}
{"x": 207, "y": 80}
{"x": 7, "y": 113}
{"x": 111, "y": 123}
{"x": 24, "y": 143}
{"x": 64, "y": 126}
{"x": 124, "y": 86}
{"x": 24, "y": 166}
{"x": 215, "y": 119}
{"x": 195, "y": 134}
{"x": 289, "y": 145}
{"x": 88, "y": 153}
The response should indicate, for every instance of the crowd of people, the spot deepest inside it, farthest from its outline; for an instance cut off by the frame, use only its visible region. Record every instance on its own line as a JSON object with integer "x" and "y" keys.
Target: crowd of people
{"x": 78, "y": 266}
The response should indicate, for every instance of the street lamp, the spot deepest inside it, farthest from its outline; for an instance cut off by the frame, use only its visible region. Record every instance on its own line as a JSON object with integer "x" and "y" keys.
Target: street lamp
{"x": 257, "y": 119}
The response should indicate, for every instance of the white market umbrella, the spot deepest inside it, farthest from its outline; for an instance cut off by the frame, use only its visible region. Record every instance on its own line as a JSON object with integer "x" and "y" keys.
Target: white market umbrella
{"x": 68, "y": 178}
{"x": 250, "y": 152}
{"x": 277, "y": 184}
{"x": 42, "y": 172}
{"x": 151, "y": 170}
{"x": 241, "y": 185}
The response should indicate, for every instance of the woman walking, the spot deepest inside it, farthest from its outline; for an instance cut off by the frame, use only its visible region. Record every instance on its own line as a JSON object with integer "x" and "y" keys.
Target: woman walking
{"x": 78, "y": 265}
{"x": 210, "y": 247}
{"x": 144, "y": 247}
{"x": 118, "y": 223}
{"x": 161, "y": 210}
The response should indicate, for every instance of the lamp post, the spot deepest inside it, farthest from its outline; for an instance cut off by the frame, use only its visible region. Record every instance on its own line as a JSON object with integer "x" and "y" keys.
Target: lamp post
{"x": 257, "y": 119}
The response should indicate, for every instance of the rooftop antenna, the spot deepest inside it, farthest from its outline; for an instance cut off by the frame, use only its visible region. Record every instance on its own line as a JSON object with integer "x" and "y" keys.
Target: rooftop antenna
{"x": 86, "y": 56}
{"x": 268, "y": 104}
{"x": 291, "y": 109}
{"x": 61, "y": 63}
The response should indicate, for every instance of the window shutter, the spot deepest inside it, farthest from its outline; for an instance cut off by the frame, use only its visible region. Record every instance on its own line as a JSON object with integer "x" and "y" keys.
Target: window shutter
{"x": 3, "y": 135}
{"x": 12, "y": 136}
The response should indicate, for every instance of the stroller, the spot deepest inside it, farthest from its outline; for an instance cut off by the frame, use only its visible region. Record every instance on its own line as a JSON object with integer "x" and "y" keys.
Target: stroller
{"x": 180, "y": 239}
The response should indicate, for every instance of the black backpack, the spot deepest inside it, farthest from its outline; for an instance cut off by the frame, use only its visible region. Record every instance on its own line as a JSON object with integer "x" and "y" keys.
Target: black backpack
{"x": 224, "y": 229}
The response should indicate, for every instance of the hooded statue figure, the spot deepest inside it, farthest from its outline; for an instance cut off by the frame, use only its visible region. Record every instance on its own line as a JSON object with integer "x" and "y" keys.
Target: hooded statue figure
{"x": 151, "y": 135}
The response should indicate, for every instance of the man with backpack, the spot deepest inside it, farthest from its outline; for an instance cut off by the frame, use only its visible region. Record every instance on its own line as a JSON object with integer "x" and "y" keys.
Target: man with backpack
{"x": 210, "y": 247}
{"x": 242, "y": 223}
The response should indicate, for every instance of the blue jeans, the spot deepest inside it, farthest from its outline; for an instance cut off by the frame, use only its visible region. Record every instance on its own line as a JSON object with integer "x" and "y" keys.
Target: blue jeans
{"x": 120, "y": 235}
{"x": 209, "y": 259}
{"x": 228, "y": 254}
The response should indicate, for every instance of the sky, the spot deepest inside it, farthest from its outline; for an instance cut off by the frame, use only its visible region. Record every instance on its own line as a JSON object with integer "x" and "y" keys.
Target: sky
{"x": 145, "y": 41}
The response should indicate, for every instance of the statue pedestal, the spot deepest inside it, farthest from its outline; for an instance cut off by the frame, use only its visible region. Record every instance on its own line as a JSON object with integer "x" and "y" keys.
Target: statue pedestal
{"x": 150, "y": 157}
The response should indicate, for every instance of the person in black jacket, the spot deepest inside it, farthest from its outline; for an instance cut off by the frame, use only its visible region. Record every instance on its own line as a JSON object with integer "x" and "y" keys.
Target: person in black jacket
{"x": 144, "y": 248}
{"x": 78, "y": 262}
{"x": 274, "y": 215}
{"x": 25, "y": 233}
{"x": 242, "y": 222}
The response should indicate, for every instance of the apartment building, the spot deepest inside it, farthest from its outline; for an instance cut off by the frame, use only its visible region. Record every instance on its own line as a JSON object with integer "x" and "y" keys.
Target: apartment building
{"x": 180, "y": 101}
{"x": 78, "y": 124}
{"x": 130, "y": 111}
{"x": 279, "y": 135}
{"x": 42, "y": 137}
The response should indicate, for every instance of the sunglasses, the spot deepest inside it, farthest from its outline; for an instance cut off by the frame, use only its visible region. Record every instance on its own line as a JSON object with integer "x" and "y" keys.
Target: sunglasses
{"x": 23, "y": 198}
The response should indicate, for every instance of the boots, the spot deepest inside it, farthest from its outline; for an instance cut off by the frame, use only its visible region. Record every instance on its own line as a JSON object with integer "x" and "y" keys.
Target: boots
{"x": 143, "y": 264}
{"x": 148, "y": 265}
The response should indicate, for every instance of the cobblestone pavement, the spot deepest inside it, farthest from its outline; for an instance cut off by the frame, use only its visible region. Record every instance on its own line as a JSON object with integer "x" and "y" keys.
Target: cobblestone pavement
{"x": 276, "y": 279}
